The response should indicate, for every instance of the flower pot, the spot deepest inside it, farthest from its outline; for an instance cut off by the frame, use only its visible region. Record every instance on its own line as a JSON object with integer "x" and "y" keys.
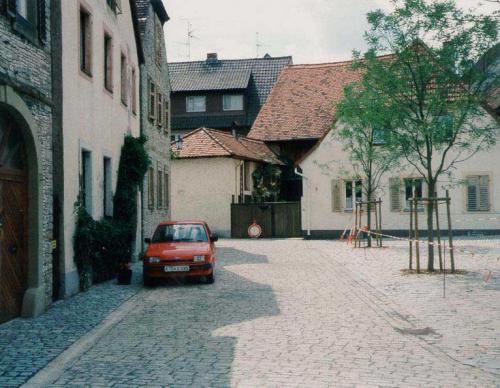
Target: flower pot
{"x": 125, "y": 276}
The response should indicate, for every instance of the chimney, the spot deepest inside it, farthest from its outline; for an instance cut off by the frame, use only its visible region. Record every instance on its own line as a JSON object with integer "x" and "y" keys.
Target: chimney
{"x": 212, "y": 58}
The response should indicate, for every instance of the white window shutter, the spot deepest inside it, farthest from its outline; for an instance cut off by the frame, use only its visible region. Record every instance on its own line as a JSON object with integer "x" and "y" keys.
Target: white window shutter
{"x": 336, "y": 184}
{"x": 395, "y": 194}
{"x": 484, "y": 193}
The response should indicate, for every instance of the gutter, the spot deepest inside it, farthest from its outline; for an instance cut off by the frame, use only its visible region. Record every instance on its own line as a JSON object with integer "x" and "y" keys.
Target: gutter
{"x": 308, "y": 209}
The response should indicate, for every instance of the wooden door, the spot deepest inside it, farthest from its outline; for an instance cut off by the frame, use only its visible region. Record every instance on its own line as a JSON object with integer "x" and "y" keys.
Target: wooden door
{"x": 13, "y": 220}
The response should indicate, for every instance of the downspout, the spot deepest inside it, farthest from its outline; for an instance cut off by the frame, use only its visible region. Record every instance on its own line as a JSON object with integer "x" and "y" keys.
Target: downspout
{"x": 308, "y": 209}
{"x": 237, "y": 185}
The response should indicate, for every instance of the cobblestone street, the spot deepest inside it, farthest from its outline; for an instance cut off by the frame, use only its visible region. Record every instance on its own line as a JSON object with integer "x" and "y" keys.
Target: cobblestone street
{"x": 283, "y": 313}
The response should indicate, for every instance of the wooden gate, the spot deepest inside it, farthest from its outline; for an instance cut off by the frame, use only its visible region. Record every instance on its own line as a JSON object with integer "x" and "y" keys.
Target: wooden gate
{"x": 13, "y": 222}
{"x": 277, "y": 219}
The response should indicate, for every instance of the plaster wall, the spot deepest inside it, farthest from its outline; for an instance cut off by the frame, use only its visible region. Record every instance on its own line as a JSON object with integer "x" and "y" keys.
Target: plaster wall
{"x": 328, "y": 162}
{"x": 203, "y": 189}
{"x": 93, "y": 119}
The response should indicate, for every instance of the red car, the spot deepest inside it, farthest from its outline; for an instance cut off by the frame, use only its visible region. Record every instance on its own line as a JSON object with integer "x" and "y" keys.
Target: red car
{"x": 180, "y": 249}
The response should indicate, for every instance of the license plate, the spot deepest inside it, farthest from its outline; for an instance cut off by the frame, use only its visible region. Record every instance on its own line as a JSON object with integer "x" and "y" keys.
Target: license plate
{"x": 177, "y": 268}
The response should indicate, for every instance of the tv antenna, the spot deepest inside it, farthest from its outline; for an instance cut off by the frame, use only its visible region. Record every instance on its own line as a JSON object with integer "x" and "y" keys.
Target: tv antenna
{"x": 189, "y": 37}
{"x": 258, "y": 45}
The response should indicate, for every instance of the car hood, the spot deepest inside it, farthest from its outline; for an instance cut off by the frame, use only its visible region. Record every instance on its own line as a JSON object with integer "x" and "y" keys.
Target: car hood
{"x": 178, "y": 250}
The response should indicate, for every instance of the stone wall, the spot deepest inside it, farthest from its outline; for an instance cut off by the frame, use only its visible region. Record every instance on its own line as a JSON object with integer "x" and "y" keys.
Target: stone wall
{"x": 158, "y": 144}
{"x": 25, "y": 67}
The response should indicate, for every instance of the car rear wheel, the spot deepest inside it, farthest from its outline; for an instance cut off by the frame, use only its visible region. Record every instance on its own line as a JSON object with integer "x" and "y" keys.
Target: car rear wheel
{"x": 148, "y": 282}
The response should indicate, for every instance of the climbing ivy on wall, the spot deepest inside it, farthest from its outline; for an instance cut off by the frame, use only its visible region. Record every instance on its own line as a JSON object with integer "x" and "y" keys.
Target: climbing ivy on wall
{"x": 100, "y": 247}
{"x": 266, "y": 182}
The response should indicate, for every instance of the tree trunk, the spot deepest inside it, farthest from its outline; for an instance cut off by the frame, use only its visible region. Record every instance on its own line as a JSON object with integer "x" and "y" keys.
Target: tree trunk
{"x": 369, "y": 211}
{"x": 430, "y": 226}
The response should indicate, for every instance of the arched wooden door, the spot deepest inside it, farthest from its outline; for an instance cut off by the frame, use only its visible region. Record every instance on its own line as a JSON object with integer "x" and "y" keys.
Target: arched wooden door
{"x": 13, "y": 218}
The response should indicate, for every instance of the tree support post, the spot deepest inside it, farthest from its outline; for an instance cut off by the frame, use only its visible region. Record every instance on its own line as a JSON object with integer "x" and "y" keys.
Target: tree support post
{"x": 450, "y": 235}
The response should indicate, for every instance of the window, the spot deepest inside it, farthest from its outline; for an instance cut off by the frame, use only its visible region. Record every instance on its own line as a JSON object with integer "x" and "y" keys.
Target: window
{"x": 152, "y": 100}
{"x": 134, "y": 92}
{"x": 108, "y": 63}
{"x": 151, "y": 188}
{"x": 413, "y": 184}
{"x": 165, "y": 114}
{"x": 22, "y": 9}
{"x": 180, "y": 233}
{"x": 85, "y": 42}
{"x": 246, "y": 176}
{"x": 107, "y": 187}
{"x": 232, "y": 102}
{"x": 165, "y": 182}
{"x": 160, "y": 110}
{"x": 353, "y": 193}
{"x": 158, "y": 41}
{"x": 160, "y": 190}
{"x": 478, "y": 193}
{"x": 123, "y": 78}
{"x": 28, "y": 18}
{"x": 86, "y": 181}
{"x": 195, "y": 104}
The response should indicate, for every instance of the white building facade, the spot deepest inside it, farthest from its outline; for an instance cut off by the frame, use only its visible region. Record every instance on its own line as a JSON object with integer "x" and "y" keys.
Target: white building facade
{"x": 331, "y": 189}
{"x": 97, "y": 55}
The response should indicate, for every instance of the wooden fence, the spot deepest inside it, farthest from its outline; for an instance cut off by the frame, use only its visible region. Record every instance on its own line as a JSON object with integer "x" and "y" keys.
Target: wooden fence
{"x": 277, "y": 219}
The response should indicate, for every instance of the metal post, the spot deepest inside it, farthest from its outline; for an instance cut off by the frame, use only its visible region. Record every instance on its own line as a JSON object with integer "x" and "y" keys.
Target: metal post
{"x": 417, "y": 243}
{"x": 438, "y": 232}
{"x": 444, "y": 272}
{"x": 410, "y": 236}
{"x": 450, "y": 237}
{"x": 380, "y": 221}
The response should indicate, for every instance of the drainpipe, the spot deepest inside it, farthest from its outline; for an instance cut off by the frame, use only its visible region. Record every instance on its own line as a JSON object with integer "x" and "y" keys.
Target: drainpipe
{"x": 237, "y": 185}
{"x": 308, "y": 181}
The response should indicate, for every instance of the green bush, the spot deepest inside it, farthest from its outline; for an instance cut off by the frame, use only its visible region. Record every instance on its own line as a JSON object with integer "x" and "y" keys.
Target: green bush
{"x": 102, "y": 247}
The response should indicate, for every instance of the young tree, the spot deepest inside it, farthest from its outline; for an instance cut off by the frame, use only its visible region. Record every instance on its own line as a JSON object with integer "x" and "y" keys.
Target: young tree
{"x": 429, "y": 89}
{"x": 359, "y": 131}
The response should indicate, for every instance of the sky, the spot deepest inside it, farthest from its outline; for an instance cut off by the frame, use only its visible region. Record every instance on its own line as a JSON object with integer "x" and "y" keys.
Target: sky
{"x": 312, "y": 31}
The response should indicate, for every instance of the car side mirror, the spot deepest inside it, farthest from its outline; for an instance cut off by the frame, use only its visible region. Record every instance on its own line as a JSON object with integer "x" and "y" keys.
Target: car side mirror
{"x": 147, "y": 240}
{"x": 214, "y": 237}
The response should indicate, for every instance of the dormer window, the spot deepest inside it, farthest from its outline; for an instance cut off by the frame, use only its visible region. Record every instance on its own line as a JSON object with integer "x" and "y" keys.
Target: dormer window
{"x": 232, "y": 102}
{"x": 196, "y": 104}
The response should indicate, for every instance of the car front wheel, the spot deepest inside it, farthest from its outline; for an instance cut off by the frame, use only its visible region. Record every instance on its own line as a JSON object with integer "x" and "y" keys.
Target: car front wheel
{"x": 148, "y": 282}
{"x": 210, "y": 279}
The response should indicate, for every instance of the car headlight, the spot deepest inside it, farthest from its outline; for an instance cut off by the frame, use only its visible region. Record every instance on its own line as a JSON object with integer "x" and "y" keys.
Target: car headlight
{"x": 153, "y": 260}
{"x": 197, "y": 259}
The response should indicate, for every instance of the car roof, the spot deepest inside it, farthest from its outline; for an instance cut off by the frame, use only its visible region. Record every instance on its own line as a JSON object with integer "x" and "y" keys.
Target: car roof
{"x": 183, "y": 223}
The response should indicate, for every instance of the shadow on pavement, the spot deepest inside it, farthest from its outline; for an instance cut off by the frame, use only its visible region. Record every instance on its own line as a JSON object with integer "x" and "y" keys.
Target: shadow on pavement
{"x": 168, "y": 339}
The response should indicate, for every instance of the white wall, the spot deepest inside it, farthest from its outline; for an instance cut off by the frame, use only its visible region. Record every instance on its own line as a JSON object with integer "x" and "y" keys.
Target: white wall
{"x": 93, "y": 118}
{"x": 202, "y": 189}
{"x": 328, "y": 162}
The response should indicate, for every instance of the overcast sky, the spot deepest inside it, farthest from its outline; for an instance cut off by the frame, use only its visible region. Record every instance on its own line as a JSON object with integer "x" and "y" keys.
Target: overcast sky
{"x": 312, "y": 31}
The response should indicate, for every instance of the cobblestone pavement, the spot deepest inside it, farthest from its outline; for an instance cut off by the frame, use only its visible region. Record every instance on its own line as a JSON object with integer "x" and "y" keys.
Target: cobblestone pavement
{"x": 27, "y": 345}
{"x": 289, "y": 313}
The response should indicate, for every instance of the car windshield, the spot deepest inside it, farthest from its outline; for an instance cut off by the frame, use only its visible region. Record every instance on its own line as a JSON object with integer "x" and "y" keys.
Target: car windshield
{"x": 180, "y": 233}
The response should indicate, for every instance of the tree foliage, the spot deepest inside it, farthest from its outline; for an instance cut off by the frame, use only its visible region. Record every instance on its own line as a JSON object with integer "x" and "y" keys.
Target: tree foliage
{"x": 427, "y": 94}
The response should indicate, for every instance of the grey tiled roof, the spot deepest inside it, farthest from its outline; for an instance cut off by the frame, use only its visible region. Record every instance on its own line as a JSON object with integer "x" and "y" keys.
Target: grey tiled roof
{"x": 264, "y": 71}
{"x": 210, "y": 79}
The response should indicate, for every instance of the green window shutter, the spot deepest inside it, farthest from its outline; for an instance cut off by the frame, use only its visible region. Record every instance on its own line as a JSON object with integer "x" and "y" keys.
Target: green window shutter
{"x": 395, "y": 194}
{"x": 472, "y": 191}
{"x": 336, "y": 184}
{"x": 484, "y": 193}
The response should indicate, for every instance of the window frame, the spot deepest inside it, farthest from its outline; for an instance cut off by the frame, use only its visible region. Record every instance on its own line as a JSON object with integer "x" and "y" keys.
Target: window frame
{"x": 159, "y": 202}
{"x": 407, "y": 203}
{"x": 123, "y": 79}
{"x": 479, "y": 201}
{"x": 228, "y": 109}
{"x": 133, "y": 101}
{"x": 166, "y": 188}
{"x": 151, "y": 100}
{"x": 193, "y": 98}
{"x": 85, "y": 41}
{"x": 86, "y": 180}
{"x": 151, "y": 188}
{"x": 159, "y": 107}
{"x": 107, "y": 183}
{"x": 358, "y": 184}
{"x": 108, "y": 61}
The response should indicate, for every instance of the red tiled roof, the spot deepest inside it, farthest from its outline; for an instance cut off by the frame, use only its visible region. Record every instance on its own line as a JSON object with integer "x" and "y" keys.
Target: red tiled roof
{"x": 204, "y": 142}
{"x": 302, "y": 102}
